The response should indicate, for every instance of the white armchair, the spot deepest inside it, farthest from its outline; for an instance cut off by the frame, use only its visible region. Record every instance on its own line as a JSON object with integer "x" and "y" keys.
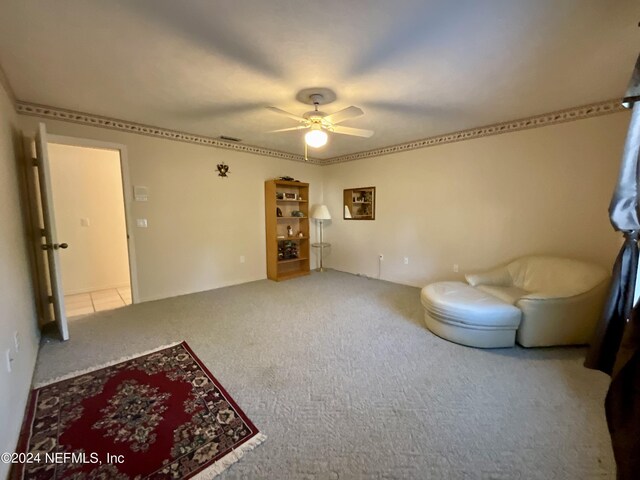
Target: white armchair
{"x": 561, "y": 299}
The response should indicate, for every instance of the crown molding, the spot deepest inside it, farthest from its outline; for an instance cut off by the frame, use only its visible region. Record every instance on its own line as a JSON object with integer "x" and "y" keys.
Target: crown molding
{"x": 560, "y": 116}
{"x": 33, "y": 109}
{"x": 536, "y": 121}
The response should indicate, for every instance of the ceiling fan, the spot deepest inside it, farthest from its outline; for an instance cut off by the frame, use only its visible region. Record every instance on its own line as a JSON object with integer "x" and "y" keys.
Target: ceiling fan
{"x": 319, "y": 123}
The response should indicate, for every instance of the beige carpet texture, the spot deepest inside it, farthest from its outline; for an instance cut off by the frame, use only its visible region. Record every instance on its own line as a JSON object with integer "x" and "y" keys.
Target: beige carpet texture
{"x": 346, "y": 382}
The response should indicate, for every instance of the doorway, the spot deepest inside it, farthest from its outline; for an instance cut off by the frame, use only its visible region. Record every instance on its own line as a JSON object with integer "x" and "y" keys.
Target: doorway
{"x": 88, "y": 185}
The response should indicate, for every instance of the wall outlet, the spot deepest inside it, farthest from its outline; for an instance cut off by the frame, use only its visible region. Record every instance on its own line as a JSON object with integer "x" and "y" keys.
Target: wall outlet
{"x": 8, "y": 359}
{"x": 455, "y": 267}
{"x": 16, "y": 340}
{"x": 381, "y": 257}
{"x": 241, "y": 258}
{"x": 406, "y": 260}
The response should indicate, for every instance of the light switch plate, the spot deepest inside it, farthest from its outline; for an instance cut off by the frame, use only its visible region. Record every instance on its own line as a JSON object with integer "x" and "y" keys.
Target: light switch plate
{"x": 141, "y": 222}
{"x": 141, "y": 194}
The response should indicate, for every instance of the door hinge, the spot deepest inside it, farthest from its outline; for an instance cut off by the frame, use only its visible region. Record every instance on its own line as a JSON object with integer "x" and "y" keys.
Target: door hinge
{"x": 43, "y": 233}
{"x": 34, "y": 162}
{"x": 50, "y": 298}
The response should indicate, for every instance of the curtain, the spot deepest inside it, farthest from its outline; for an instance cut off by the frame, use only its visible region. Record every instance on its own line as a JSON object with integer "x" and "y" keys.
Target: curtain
{"x": 615, "y": 348}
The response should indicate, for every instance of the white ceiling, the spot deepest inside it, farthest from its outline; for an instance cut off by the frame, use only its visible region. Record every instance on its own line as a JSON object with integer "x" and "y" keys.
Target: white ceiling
{"x": 418, "y": 68}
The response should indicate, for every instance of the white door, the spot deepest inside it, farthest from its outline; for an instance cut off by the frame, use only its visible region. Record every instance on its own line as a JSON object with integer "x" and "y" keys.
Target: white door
{"x": 51, "y": 246}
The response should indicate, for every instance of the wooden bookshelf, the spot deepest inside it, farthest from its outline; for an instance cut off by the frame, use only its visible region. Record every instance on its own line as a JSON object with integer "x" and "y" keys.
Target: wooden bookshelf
{"x": 279, "y": 265}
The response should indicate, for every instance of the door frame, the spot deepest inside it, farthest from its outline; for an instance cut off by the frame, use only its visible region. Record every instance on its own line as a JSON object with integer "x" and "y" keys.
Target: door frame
{"x": 127, "y": 191}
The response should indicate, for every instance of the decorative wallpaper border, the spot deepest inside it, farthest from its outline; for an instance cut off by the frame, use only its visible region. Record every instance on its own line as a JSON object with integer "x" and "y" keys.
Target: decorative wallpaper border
{"x": 561, "y": 116}
{"x": 36, "y": 110}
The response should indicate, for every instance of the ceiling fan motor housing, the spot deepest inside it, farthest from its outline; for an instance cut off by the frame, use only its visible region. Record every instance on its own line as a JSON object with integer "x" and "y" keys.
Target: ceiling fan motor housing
{"x": 314, "y": 114}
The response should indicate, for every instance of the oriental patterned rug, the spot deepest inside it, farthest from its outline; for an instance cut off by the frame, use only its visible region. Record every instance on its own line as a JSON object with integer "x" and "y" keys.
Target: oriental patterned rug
{"x": 161, "y": 415}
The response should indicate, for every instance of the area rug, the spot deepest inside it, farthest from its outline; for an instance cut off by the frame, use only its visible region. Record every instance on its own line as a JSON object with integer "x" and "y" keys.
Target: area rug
{"x": 160, "y": 415}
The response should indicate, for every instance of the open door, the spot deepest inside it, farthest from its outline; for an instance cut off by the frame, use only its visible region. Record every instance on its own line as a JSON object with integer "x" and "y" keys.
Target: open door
{"x": 51, "y": 247}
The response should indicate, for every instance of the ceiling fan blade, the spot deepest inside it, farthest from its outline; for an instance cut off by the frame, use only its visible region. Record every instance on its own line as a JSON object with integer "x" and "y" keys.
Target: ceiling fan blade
{"x": 358, "y": 132}
{"x": 345, "y": 114}
{"x": 300, "y": 127}
{"x": 286, "y": 114}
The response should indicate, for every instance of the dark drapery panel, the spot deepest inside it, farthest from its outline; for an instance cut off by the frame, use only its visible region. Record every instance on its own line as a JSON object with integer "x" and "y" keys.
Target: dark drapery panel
{"x": 622, "y": 404}
{"x": 625, "y": 217}
{"x": 604, "y": 347}
{"x": 615, "y": 348}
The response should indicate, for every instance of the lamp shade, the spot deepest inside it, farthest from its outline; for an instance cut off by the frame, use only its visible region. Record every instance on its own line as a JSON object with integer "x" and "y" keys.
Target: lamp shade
{"x": 316, "y": 138}
{"x": 320, "y": 212}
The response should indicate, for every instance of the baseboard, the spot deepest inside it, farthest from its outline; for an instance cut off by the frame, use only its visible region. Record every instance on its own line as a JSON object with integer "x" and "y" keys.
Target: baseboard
{"x": 383, "y": 278}
{"x": 179, "y": 293}
{"x": 24, "y": 403}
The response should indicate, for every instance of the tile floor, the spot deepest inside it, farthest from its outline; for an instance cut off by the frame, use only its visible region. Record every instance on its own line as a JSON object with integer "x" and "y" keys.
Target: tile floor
{"x": 98, "y": 301}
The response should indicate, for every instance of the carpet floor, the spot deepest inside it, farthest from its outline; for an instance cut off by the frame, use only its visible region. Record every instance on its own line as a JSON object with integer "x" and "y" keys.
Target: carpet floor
{"x": 342, "y": 376}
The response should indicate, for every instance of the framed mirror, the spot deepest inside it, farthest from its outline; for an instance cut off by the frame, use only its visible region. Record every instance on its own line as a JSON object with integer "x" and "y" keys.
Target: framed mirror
{"x": 360, "y": 203}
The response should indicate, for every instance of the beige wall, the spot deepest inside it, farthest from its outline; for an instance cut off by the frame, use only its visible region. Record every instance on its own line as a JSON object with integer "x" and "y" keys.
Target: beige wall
{"x": 87, "y": 185}
{"x": 474, "y": 203}
{"x": 480, "y": 202}
{"x": 199, "y": 224}
{"x": 17, "y": 307}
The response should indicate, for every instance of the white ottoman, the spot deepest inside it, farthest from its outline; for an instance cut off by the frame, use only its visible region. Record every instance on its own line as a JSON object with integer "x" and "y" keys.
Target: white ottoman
{"x": 460, "y": 313}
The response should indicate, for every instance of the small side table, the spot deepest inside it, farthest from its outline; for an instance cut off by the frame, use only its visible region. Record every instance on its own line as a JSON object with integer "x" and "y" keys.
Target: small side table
{"x": 321, "y": 246}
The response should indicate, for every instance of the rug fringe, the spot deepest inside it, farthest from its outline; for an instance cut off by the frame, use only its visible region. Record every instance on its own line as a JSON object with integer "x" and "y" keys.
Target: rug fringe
{"x": 230, "y": 458}
{"x": 103, "y": 365}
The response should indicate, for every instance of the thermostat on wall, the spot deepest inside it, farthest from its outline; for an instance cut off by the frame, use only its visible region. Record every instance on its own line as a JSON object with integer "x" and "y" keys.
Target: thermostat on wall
{"x": 141, "y": 194}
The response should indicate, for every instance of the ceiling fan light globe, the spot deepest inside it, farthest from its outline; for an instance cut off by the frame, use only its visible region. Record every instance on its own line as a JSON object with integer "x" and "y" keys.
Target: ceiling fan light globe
{"x": 316, "y": 138}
